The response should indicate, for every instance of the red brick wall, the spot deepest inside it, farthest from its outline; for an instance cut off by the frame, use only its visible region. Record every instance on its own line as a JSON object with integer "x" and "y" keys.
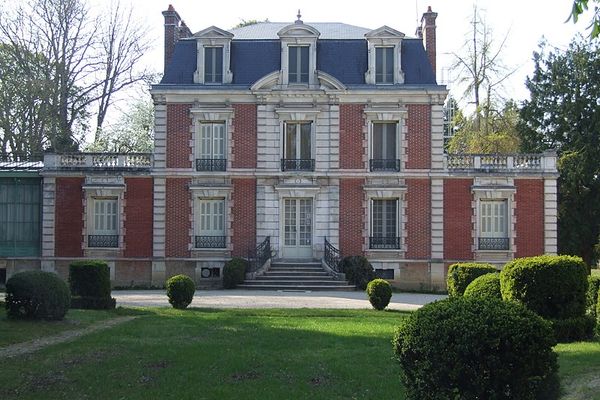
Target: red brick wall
{"x": 418, "y": 137}
{"x": 177, "y": 218}
{"x": 529, "y": 197}
{"x": 244, "y": 136}
{"x": 244, "y": 216}
{"x": 418, "y": 218}
{"x": 68, "y": 226}
{"x": 458, "y": 212}
{"x": 351, "y": 136}
{"x": 351, "y": 216}
{"x": 138, "y": 217}
{"x": 178, "y": 136}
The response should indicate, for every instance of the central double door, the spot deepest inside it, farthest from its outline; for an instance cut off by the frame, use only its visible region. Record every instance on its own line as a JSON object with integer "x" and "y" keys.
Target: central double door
{"x": 297, "y": 233}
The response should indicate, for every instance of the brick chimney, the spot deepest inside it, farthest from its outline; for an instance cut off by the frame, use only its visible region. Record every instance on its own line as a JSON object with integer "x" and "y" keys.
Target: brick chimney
{"x": 175, "y": 29}
{"x": 427, "y": 32}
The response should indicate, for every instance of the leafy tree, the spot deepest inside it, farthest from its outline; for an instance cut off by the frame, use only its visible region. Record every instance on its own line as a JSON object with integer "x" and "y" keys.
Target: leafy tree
{"x": 497, "y": 133}
{"x": 564, "y": 113}
{"x": 248, "y": 22}
{"x": 581, "y": 6}
{"x": 132, "y": 133}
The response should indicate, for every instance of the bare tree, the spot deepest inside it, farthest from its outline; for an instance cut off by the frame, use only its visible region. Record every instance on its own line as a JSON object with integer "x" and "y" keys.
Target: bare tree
{"x": 87, "y": 60}
{"x": 479, "y": 66}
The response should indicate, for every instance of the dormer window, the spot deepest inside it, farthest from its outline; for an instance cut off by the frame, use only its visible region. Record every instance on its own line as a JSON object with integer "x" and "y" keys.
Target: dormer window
{"x": 298, "y": 64}
{"x": 298, "y": 54}
{"x": 384, "y": 47}
{"x": 213, "y": 64}
{"x": 214, "y": 55}
{"x": 384, "y": 65}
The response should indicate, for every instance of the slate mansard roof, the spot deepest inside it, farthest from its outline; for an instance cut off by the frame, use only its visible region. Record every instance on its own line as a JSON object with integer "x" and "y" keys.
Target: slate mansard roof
{"x": 341, "y": 52}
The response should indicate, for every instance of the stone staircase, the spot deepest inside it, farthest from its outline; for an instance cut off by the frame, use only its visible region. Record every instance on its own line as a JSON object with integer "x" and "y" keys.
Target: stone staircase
{"x": 296, "y": 276}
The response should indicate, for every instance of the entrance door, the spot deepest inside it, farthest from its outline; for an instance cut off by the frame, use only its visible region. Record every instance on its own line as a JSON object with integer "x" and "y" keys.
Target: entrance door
{"x": 297, "y": 228}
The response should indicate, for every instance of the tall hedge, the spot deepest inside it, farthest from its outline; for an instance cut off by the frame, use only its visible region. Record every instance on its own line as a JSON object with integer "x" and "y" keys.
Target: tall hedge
{"x": 472, "y": 348}
{"x": 234, "y": 272}
{"x": 460, "y": 275}
{"x": 552, "y": 286}
{"x": 592, "y": 294}
{"x": 37, "y": 295}
{"x": 358, "y": 270}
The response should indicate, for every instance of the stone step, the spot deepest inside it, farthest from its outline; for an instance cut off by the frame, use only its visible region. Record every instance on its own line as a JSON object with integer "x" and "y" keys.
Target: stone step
{"x": 296, "y": 269}
{"x": 298, "y": 288}
{"x": 295, "y": 282}
{"x": 291, "y": 275}
{"x": 296, "y": 264}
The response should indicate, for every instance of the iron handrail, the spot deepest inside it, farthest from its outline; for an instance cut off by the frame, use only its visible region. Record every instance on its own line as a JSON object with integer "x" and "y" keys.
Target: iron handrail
{"x": 332, "y": 256}
{"x": 259, "y": 256}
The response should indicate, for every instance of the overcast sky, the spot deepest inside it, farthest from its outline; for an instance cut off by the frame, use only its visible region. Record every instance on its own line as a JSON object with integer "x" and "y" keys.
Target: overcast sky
{"x": 525, "y": 21}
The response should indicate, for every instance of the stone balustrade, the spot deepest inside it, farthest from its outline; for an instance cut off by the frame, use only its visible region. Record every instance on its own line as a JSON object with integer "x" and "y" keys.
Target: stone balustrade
{"x": 545, "y": 162}
{"x": 99, "y": 161}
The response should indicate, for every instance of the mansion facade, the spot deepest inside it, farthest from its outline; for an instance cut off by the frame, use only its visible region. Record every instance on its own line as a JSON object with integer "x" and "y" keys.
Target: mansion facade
{"x": 302, "y": 133}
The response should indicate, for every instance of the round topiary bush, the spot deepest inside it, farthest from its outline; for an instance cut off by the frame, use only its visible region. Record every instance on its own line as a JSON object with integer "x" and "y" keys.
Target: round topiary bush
{"x": 552, "y": 286}
{"x": 180, "y": 290}
{"x": 460, "y": 275}
{"x": 358, "y": 270}
{"x": 472, "y": 348}
{"x": 573, "y": 329}
{"x": 485, "y": 286}
{"x": 37, "y": 295}
{"x": 234, "y": 272}
{"x": 380, "y": 293}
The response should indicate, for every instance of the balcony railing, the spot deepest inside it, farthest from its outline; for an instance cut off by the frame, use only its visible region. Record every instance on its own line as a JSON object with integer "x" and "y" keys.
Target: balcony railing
{"x": 103, "y": 241}
{"x": 332, "y": 256}
{"x": 297, "y": 164}
{"x": 384, "y": 165}
{"x": 210, "y": 242}
{"x": 494, "y": 243}
{"x": 502, "y": 162}
{"x": 384, "y": 242}
{"x": 16, "y": 161}
{"x": 258, "y": 257}
{"x": 211, "y": 164}
{"x": 112, "y": 161}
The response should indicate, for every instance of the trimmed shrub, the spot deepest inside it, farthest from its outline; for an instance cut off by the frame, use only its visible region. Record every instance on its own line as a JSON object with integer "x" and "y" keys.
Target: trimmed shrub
{"x": 573, "y": 329}
{"x": 592, "y": 295}
{"x": 552, "y": 286}
{"x": 90, "y": 285}
{"x": 234, "y": 272}
{"x": 180, "y": 290}
{"x": 89, "y": 278}
{"x": 380, "y": 293}
{"x": 485, "y": 286}
{"x": 37, "y": 295}
{"x": 358, "y": 270}
{"x": 460, "y": 275}
{"x": 471, "y": 348}
{"x": 598, "y": 317}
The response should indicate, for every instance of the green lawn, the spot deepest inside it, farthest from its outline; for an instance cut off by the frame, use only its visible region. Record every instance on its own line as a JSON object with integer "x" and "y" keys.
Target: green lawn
{"x": 227, "y": 354}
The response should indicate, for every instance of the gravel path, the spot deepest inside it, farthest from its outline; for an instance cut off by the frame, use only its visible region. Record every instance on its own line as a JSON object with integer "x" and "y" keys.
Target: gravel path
{"x": 37, "y": 344}
{"x": 272, "y": 299}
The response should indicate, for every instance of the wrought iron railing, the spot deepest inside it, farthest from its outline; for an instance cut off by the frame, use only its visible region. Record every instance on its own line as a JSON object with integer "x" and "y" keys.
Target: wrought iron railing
{"x": 210, "y": 242}
{"x": 297, "y": 164}
{"x": 384, "y": 242}
{"x": 332, "y": 256}
{"x": 494, "y": 243}
{"x": 211, "y": 164}
{"x": 103, "y": 240}
{"x": 17, "y": 161}
{"x": 258, "y": 257}
{"x": 384, "y": 164}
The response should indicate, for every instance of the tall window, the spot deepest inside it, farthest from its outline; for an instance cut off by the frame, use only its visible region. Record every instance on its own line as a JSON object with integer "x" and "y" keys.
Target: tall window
{"x": 210, "y": 223}
{"x": 105, "y": 225}
{"x": 210, "y": 147}
{"x": 384, "y": 154}
{"x": 298, "y": 64}
{"x": 384, "y": 224}
{"x": 19, "y": 217}
{"x": 213, "y": 64}
{"x": 297, "y": 148}
{"x": 493, "y": 225}
{"x": 384, "y": 65}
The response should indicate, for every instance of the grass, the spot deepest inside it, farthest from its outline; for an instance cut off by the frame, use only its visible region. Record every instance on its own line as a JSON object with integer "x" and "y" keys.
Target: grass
{"x": 22, "y": 331}
{"x": 223, "y": 354}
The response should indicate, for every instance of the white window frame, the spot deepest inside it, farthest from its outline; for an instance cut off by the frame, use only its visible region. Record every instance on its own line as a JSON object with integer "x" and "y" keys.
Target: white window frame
{"x": 212, "y": 81}
{"x": 298, "y": 35}
{"x": 213, "y": 127}
{"x": 398, "y": 220}
{"x": 494, "y": 219}
{"x": 200, "y": 204}
{"x": 298, "y": 142}
{"x": 213, "y": 37}
{"x": 105, "y": 216}
{"x": 372, "y": 142}
{"x": 299, "y": 63}
{"x": 391, "y": 79}
{"x": 384, "y": 37}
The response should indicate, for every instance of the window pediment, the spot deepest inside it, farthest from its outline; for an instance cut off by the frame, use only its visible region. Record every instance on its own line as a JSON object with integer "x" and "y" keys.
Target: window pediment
{"x": 384, "y": 32}
{"x": 299, "y": 30}
{"x": 213, "y": 56}
{"x": 214, "y": 32}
